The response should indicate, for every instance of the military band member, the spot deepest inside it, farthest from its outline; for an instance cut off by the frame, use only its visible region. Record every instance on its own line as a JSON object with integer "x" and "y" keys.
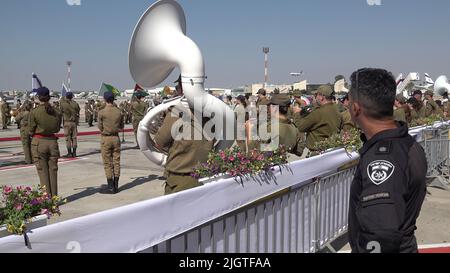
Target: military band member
{"x": 71, "y": 114}
{"x": 242, "y": 116}
{"x": 89, "y": 113}
{"x": 184, "y": 154}
{"x": 23, "y": 120}
{"x": 139, "y": 109}
{"x": 419, "y": 105}
{"x": 110, "y": 123}
{"x": 399, "y": 109}
{"x": 445, "y": 105}
{"x": 347, "y": 123}
{"x": 6, "y": 114}
{"x": 431, "y": 107}
{"x": 45, "y": 122}
{"x": 262, "y": 99}
{"x": 323, "y": 122}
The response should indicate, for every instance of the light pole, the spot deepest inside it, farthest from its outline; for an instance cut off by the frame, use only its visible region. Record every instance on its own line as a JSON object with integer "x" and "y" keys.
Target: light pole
{"x": 69, "y": 64}
{"x": 266, "y": 65}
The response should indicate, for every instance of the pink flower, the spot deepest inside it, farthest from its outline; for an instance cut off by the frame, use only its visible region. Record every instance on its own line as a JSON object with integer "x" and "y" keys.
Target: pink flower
{"x": 231, "y": 158}
{"x": 44, "y": 211}
{"x": 7, "y": 190}
{"x": 260, "y": 157}
{"x": 18, "y": 207}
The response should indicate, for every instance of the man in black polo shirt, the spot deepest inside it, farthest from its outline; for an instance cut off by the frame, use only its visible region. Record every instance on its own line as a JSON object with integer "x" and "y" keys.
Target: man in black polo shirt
{"x": 389, "y": 185}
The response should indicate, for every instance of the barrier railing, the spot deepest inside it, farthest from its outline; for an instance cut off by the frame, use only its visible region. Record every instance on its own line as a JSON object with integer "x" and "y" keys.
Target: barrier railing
{"x": 296, "y": 220}
{"x": 304, "y": 219}
{"x": 435, "y": 142}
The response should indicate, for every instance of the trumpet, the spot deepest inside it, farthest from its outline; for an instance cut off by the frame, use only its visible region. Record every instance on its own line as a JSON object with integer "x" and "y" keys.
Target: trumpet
{"x": 14, "y": 113}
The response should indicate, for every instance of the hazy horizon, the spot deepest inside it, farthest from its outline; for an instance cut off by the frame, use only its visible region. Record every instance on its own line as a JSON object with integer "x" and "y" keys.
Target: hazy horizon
{"x": 323, "y": 38}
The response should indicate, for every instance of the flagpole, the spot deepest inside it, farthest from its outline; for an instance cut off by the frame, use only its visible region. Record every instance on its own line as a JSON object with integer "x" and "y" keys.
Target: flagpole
{"x": 69, "y": 63}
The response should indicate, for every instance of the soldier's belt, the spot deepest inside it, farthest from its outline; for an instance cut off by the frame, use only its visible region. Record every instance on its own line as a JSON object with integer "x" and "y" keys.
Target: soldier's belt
{"x": 51, "y": 136}
{"x": 109, "y": 135}
{"x": 178, "y": 174}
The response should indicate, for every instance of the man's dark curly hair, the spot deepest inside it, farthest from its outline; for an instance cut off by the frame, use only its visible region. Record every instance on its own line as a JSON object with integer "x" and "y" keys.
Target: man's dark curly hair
{"x": 375, "y": 89}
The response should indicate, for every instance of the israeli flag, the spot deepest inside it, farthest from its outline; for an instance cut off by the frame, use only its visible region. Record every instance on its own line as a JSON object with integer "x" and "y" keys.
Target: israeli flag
{"x": 428, "y": 79}
{"x": 35, "y": 83}
{"x": 64, "y": 90}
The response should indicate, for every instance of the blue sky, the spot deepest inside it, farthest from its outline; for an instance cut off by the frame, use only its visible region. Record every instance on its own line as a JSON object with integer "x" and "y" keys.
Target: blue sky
{"x": 321, "y": 37}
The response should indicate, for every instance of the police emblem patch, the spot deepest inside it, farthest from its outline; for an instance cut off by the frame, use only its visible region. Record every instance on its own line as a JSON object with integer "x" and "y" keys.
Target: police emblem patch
{"x": 379, "y": 171}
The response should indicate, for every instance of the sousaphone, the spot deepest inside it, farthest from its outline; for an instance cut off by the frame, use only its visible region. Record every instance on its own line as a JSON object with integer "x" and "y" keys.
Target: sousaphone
{"x": 159, "y": 44}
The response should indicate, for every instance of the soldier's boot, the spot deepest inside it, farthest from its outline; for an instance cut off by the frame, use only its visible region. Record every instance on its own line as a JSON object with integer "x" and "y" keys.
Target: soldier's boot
{"x": 116, "y": 185}
{"x": 110, "y": 188}
{"x": 69, "y": 152}
{"x": 74, "y": 152}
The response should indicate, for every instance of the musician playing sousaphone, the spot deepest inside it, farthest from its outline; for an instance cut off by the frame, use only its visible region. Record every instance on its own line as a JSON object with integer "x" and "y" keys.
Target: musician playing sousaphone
{"x": 151, "y": 61}
{"x": 185, "y": 154}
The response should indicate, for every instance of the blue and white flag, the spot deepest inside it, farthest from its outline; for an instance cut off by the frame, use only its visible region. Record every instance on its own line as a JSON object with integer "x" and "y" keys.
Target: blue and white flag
{"x": 35, "y": 83}
{"x": 428, "y": 79}
{"x": 64, "y": 90}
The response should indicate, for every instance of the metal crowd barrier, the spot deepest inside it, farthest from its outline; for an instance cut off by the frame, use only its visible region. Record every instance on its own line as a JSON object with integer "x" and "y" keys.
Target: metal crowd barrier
{"x": 296, "y": 220}
{"x": 306, "y": 219}
{"x": 435, "y": 142}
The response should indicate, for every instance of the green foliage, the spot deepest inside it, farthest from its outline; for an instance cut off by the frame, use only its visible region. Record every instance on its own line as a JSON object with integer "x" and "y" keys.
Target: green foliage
{"x": 350, "y": 140}
{"x": 234, "y": 162}
{"x": 425, "y": 121}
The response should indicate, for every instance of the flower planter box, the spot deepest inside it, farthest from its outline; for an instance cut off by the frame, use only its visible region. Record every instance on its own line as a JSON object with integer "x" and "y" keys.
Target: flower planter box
{"x": 35, "y": 222}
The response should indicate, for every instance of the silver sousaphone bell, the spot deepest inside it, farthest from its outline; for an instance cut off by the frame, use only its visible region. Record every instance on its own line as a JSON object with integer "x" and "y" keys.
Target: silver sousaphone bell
{"x": 159, "y": 44}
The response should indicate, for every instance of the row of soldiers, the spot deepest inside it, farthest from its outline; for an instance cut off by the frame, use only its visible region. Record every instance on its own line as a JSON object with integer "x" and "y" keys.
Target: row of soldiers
{"x": 302, "y": 126}
{"x": 40, "y": 121}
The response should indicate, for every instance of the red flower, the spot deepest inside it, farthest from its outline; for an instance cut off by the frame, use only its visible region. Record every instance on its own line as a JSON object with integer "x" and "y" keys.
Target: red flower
{"x": 7, "y": 190}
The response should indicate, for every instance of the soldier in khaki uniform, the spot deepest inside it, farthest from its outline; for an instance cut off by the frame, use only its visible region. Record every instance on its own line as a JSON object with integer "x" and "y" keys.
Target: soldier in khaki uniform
{"x": 89, "y": 112}
{"x": 347, "y": 123}
{"x": 323, "y": 121}
{"x": 262, "y": 99}
{"x": 445, "y": 105}
{"x": 399, "y": 109}
{"x": 431, "y": 107}
{"x": 45, "y": 122}
{"x": 71, "y": 114}
{"x": 419, "y": 106}
{"x": 110, "y": 123}
{"x": 139, "y": 109}
{"x": 287, "y": 136}
{"x": 23, "y": 120}
{"x": 242, "y": 116}
{"x": 96, "y": 106}
{"x": 6, "y": 114}
{"x": 185, "y": 154}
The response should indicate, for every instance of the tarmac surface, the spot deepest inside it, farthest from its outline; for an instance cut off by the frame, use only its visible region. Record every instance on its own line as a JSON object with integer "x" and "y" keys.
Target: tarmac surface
{"x": 80, "y": 180}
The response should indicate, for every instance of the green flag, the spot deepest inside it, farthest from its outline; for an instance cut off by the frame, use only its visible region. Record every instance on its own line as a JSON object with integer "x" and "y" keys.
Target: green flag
{"x": 107, "y": 87}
